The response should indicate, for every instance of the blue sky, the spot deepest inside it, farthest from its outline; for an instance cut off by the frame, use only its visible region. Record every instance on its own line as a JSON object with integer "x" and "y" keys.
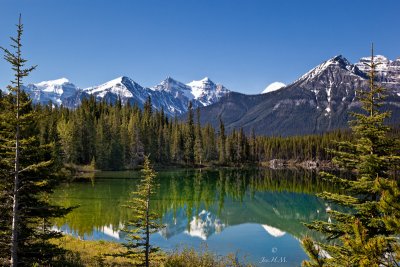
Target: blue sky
{"x": 243, "y": 44}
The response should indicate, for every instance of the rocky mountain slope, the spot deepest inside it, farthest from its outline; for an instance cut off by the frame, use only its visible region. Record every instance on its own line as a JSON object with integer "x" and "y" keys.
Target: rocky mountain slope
{"x": 318, "y": 101}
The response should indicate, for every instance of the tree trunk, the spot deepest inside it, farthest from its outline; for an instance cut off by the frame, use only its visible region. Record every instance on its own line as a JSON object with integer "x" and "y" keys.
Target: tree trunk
{"x": 147, "y": 227}
{"x": 14, "y": 226}
{"x": 15, "y": 215}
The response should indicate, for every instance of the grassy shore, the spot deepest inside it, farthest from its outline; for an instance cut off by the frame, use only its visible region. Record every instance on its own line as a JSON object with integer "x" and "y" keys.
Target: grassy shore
{"x": 98, "y": 254}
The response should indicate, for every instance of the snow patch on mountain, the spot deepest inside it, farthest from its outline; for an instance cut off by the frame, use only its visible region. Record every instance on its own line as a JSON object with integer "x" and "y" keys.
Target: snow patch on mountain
{"x": 58, "y": 87}
{"x": 273, "y": 87}
{"x": 199, "y": 88}
{"x": 54, "y": 91}
{"x": 206, "y": 91}
{"x": 381, "y": 61}
{"x": 115, "y": 86}
{"x": 177, "y": 89}
{"x": 52, "y": 83}
{"x": 329, "y": 97}
{"x": 387, "y": 71}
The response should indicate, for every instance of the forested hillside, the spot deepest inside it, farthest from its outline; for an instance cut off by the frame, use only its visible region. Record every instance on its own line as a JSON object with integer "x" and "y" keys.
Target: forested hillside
{"x": 114, "y": 137}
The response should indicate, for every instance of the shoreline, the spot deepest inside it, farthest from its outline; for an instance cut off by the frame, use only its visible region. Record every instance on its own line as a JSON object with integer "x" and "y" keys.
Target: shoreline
{"x": 87, "y": 171}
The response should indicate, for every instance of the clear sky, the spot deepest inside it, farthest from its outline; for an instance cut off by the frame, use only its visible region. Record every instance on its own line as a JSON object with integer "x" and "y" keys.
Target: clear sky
{"x": 243, "y": 44}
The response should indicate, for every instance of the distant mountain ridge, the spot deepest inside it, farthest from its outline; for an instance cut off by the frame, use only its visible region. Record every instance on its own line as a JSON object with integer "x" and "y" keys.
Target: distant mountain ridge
{"x": 170, "y": 95}
{"x": 317, "y": 102}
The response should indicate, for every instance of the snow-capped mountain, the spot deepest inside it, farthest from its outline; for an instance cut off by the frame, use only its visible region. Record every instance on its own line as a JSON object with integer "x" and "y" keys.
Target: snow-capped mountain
{"x": 273, "y": 87}
{"x": 170, "y": 95}
{"x": 318, "y": 101}
{"x": 387, "y": 71}
{"x": 177, "y": 92}
{"x": 172, "y": 86}
{"x": 206, "y": 91}
{"x": 57, "y": 92}
{"x": 122, "y": 87}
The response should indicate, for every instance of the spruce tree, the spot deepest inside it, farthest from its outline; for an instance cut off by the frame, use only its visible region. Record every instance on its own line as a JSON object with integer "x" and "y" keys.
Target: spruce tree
{"x": 28, "y": 173}
{"x": 198, "y": 144}
{"x": 144, "y": 221}
{"x": 253, "y": 146}
{"x": 221, "y": 142}
{"x": 189, "y": 137}
{"x": 135, "y": 144}
{"x": 176, "y": 146}
{"x": 361, "y": 234}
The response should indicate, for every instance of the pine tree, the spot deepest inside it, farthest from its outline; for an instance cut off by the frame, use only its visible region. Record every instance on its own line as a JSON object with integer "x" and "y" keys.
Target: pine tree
{"x": 198, "y": 144}
{"x": 362, "y": 236}
{"x": 144, "y": 222}
{"x": 103, "y": 144}
{"x": 221, "y": 142}
{"x": 28, "y": 173}
{"x": 136, "y": 150}
{"x": 116, "y": 150}
{"x": 189, "y": 137}
{"x": 313, "y": 252}
{"x": 210, "y": 147}
{"x": 253, "y": 146}
{"x": 176, "y": 147}
{"x": 64, "y": 131}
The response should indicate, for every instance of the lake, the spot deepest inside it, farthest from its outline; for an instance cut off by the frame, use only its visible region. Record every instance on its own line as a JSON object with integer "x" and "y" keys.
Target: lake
{"x": 255, "y": 214}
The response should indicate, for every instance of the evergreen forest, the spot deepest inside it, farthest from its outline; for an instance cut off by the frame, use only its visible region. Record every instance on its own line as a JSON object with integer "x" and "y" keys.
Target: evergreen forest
{"x": 117, "y": 137}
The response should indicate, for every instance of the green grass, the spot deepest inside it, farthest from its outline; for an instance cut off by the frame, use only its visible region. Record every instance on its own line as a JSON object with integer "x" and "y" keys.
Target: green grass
{"x": 94, "y": 254}
{"x": 202, "y": 258}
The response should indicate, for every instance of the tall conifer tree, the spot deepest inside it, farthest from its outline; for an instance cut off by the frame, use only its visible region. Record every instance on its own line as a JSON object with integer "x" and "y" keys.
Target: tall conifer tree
{"x": 28, "y": 173}
{"x": 189, "y": 137}
{"x": 222, "y": 142}
{"x": 198, "y": 144}
{"x": 144, "y": 222}
{"x": 361, "y": 236}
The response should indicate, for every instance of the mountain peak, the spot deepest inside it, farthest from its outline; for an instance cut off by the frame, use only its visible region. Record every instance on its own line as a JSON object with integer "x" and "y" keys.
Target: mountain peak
{"x": 206, "y": 91}
{"x": 339, "y": 59}
{"x": 336, "y": 61}
{"x": 119, "y": 81}
{"x": 54, "y": 91}
{"x": 169, "y": 79}
{"x": 387, "y": 71}
{"x": 205, "y": 82}
{"x": 53, "y": 82}
{"x": 122, "y": 86}
{"x": 169, "y": 84}
{"x": 273, "y": 87}
{"x": 377, "y": 58}
{"x": 381, "y": 61}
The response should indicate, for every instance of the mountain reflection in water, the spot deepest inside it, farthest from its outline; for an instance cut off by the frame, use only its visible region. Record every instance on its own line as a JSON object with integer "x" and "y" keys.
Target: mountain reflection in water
{"x": 254, "y": 213}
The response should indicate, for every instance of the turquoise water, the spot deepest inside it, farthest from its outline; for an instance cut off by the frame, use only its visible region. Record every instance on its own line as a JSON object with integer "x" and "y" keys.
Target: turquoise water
{"x": 255, "y": 214}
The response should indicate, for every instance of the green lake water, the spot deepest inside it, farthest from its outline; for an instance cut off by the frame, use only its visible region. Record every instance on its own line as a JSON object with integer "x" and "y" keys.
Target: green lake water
{"x": 255, "y": 214}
